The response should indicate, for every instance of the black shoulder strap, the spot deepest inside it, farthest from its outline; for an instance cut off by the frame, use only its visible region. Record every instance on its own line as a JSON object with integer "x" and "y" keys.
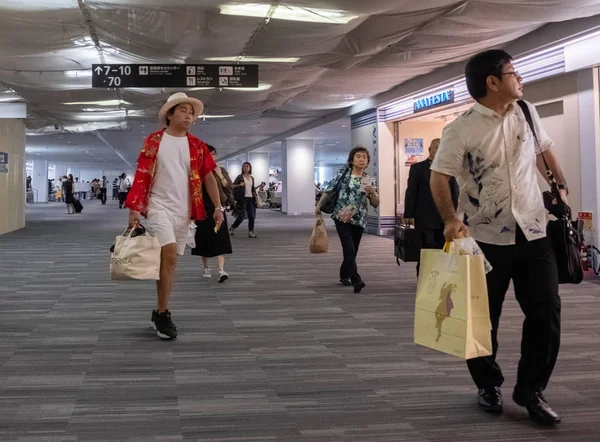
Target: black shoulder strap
{"x": 529, "y": 120}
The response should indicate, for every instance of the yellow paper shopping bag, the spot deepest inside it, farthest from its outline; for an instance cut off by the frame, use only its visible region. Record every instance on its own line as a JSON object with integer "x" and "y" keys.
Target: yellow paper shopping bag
{"x": 451, "y": 310}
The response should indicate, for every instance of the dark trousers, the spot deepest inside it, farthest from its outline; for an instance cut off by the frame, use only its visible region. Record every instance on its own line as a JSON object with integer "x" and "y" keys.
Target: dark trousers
{"x": 247, "y": 207}
{"x": 122, "y": 198}
{"x": 430, "y": 239}
{"x": 103, "y": 195}
{"x": 532, "y": 267}
{"x": 350, "y": 236}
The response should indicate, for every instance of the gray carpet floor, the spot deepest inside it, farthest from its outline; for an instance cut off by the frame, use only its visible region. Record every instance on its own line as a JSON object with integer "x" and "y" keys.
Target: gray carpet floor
{"x": 280, "y": 352}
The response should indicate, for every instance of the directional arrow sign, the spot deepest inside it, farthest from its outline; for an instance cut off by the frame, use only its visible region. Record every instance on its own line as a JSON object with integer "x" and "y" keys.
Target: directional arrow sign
{"x": 175, "y": 75}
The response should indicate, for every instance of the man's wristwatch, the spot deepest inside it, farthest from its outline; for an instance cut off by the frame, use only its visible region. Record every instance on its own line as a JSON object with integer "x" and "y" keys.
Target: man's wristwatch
{"x": 563, "y": 187}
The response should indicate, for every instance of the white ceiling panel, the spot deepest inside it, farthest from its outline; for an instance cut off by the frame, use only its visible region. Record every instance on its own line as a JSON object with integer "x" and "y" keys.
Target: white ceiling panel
{"x": 48, "y": 49}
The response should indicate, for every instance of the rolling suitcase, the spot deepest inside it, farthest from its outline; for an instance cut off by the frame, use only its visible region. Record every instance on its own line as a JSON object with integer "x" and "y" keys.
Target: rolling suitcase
{"x": 77, "y": 205}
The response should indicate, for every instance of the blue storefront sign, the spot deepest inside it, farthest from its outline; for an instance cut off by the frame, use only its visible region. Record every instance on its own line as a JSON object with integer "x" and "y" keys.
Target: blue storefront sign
{"x": 3, "y": 162}
{"x": 432, "y": 101}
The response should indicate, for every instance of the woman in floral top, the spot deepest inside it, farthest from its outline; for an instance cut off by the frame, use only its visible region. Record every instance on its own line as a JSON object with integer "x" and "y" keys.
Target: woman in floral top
{"x": 350, "y": 213}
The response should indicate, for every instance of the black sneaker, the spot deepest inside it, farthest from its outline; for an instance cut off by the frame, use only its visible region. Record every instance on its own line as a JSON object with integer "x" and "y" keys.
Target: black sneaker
{"x": 346, "y": 282}
{"x": 152, "y": 319}
{"x": 165, "y": 329}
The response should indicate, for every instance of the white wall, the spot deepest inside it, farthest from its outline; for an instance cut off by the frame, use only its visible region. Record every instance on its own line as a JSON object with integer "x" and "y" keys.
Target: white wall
{"x": 12, "y": 184}
{"x": 326, "y": 173}
{"x": 298, "y": 158}
{"x": 563, "y": 129}
{"x": 234, "y": 168}
{"x": 39, "y": 180}
{"x": 86, "y": 174}
{"x": 260, "y": 166}
{"x": 413, "y": 129}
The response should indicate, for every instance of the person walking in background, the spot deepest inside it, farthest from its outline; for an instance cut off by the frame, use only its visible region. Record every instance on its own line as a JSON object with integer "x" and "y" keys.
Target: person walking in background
{"x": 68, "y": 190}
{"x": 493, "y": 153}
{"x": 115, "y": 189}
{"x": 172, "y": 169}
{"x": 123, "y": 186}
{"x": 351, "y": 210}
{"x": 103, "y": 189}
{"x": 245, "y": 191}
{"x": 208, "y": 242}
{"x": 419, "y": 207}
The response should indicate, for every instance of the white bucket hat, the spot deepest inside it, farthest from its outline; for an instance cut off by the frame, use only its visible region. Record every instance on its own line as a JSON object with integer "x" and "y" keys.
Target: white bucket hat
{"x": 176, "y": 99}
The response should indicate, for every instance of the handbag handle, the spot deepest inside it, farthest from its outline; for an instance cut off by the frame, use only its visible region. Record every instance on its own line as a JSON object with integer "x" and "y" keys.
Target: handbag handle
{"x": 549, "y": 174}
{"x": 529, "y": 120}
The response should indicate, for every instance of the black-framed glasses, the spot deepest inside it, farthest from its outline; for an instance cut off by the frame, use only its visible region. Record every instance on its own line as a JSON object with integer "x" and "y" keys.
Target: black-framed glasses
{"x": 515, "y": 73}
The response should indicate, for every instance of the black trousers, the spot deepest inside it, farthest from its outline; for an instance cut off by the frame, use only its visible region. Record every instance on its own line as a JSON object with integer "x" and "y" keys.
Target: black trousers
{"x": 103, "y": 195}
{"x": 248, "y": 207}
{"x": 532, "y": 267}
{"x": 431, "y": 239}
{"x": 122, "y": 198}
{"x": 350, "y": 236}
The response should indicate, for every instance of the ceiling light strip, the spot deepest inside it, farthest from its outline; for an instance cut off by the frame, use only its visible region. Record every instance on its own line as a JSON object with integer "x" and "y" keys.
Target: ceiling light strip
{"x": 532, "y": 68}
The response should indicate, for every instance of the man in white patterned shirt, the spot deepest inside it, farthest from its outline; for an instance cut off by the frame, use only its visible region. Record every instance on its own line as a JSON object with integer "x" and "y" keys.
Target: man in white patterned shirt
{"x": 492, "y": 152}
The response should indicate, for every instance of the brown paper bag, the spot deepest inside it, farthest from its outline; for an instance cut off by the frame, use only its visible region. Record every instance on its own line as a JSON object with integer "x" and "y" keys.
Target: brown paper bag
{"x": 319, "y": 243}
{"x": 451, "y": 310}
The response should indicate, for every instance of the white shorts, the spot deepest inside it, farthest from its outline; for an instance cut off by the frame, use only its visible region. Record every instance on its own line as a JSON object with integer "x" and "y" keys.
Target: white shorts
{"x": 168, "y": 228}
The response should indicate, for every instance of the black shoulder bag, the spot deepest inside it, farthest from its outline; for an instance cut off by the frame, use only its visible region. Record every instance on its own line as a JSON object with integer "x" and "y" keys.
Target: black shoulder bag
{"x": 565, "y": 235}
{"x": 330, "y": 200}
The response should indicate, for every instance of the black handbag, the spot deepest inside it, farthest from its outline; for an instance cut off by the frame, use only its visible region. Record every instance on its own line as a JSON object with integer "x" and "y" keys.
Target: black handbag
{"x": 239, "y": 192}
{"x": 407, "y": 244}
{"x": 565, "y": 235}
{"x": 330, "y": 200}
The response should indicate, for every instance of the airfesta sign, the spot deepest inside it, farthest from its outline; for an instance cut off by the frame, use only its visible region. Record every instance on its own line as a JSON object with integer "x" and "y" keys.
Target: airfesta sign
{"x": 413, "y": 150}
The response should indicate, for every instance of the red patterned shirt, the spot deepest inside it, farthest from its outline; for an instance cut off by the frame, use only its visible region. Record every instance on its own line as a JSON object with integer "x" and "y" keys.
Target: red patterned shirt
{"x": 201, "y": 164}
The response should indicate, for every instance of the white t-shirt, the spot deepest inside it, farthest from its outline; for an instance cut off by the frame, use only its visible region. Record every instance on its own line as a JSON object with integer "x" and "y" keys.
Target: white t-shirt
{"x": 248, "y": 187}
{"x": 123, "y": 184}
{"x": 170, "y": 186}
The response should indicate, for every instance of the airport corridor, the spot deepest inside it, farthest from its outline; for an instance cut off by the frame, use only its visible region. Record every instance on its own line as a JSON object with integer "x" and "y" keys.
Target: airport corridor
{"x": 279, "y": 352}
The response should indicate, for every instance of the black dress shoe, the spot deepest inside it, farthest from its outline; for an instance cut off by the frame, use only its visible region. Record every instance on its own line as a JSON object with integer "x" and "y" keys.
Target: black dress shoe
{"x": 346, "y": 282}
{"x": 358, "y": 286}
{"x": 536, "y": 405}
{"x": 490, "y": 399}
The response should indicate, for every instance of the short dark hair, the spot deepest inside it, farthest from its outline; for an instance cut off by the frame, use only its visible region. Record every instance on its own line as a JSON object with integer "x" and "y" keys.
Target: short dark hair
{"x": 356, "y": 150}
{"x": 211, "y": 149}
{"x": 250, "y": 171}
{"x": 483, "y": 65}
{"x": 171, "y": 111}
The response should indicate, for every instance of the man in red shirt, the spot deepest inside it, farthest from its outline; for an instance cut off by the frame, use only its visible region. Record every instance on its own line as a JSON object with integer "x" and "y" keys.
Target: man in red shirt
{"x": 167, "y": 190}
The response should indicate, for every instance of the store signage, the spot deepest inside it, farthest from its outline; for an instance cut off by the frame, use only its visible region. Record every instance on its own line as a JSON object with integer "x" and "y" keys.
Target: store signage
{"x": 413, "y": 150}
{"x": 3, "y": 162}
{"x": 174, "y": 75}
{"x": 587, "y": 219}
{"x": 432, "y": 101}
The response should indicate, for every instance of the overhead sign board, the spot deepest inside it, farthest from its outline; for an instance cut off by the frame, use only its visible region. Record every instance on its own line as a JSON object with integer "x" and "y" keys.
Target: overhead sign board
{"x": 433, "y": 101}
{"x": 174, "y": 75}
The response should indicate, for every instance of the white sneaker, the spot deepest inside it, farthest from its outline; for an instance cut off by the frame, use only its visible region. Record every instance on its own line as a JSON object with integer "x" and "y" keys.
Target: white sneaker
{"x": 223, "y": 276}
{"x": 207, "y": 274}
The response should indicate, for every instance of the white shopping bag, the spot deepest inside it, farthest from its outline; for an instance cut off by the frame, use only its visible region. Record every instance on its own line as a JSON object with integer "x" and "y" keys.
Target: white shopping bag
{"x": 191, "y": 239}
{"x": 135, "y": 258}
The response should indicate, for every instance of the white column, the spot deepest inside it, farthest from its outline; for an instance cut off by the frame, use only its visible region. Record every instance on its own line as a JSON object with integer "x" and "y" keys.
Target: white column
{"x": 589, "y": 141}
{"x": 298, "y": 174}
{"x": 234, "y": 168}
{"x": 39, "y": 180}
{"x": 12, "y": 175}
{"x": 260, "y": 166}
